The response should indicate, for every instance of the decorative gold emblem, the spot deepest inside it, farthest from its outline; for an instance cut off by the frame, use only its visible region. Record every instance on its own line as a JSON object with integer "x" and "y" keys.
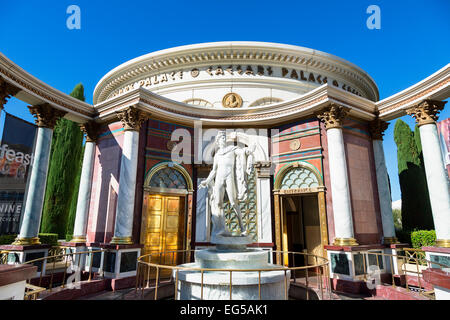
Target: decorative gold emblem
{"x": 294, "y": 144}
{"x": 232, "y": 100}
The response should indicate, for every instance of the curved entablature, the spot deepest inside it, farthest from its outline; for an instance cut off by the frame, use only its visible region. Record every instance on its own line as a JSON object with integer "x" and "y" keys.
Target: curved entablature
{"x": 259, "y": 65}
{"x": 305, "y": 105}
{"x": 436, "y": 86}
{"x": 35, "y": 92}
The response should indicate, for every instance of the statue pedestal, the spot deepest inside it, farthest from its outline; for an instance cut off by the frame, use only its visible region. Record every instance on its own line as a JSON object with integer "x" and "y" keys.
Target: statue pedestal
{"x": 266, "y": 284}
{"x": 231, "y": 243}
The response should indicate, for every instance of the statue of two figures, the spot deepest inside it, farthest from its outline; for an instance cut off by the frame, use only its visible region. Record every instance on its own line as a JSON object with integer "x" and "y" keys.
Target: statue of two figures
{"x": 231, "y": 167}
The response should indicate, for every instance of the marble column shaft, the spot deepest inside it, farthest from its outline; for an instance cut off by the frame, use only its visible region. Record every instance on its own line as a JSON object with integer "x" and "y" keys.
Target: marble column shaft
{"x": 437, "y": 182}
{"x": 340, "y": 191}
{"x": 127, "y": 185}
{"x": 384, "y": 194}
{"x": 84, "y": 193}
{"x": 34, "y": 202}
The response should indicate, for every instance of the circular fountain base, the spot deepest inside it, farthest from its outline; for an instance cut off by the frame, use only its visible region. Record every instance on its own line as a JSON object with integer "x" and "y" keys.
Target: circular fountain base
{"x": 267, "y": 284}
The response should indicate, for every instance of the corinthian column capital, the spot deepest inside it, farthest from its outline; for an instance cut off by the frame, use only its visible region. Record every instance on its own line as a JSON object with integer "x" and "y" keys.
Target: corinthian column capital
{"x": 91, "y": 129}
{"x": 377, "y": 128}
{"x": 132, "y": 118}
{"x": 332, "y": 115}
{"x": 46, "y": 116}
{"x": 426, "y": 112}
{"x": 6, "y": 92}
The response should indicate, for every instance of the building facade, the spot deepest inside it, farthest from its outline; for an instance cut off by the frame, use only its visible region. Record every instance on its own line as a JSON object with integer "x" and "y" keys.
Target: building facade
{"x": 318, "y": 180}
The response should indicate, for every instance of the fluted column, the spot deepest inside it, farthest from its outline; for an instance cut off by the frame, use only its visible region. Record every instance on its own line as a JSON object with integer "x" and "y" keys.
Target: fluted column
{"x": 426, "y": 114}
{"x": 132, "y": 119}
{"x": 332, "y": 116}
{"x": 91, "y": 130}
{"x": 377, "y": 127}
{"x": 46, "y": 117}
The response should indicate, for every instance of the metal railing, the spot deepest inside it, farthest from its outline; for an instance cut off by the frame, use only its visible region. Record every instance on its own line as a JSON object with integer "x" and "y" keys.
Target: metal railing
{"x": 150, "y": 273}
{"x": 412, "y": 253}
{"x": 54, "y": 270}
{"x": 400, "y": 266}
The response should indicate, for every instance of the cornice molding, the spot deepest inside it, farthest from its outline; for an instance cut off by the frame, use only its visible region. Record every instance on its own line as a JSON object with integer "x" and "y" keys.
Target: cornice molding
{"x": 436, "y": 87}
{"x": 304, "y": 106}
{"x": 231, "y": 53}
{"x": 34, "y": 91}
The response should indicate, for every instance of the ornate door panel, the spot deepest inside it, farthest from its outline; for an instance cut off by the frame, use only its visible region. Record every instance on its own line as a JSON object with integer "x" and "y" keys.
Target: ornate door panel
{"x": 163, "y": 228}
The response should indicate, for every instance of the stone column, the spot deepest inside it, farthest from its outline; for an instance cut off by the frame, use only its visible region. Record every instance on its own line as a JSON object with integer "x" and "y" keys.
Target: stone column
{"x": 377, "y": 127}
{"x": 332, "y": 116}
{"x": 46, "y": 117}
{"x": 425, "y": 114}
{"x": 132, "y": 119}
{"x": 91, "y": 130}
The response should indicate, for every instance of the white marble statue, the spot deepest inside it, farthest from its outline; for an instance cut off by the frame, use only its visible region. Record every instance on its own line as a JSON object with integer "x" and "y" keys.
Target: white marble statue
{"x": 232, "y": 165}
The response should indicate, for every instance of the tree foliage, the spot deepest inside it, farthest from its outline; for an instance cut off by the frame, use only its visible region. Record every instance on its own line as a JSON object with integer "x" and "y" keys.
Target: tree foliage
{"x": 64, "y": 168}
{"x": 416, "y": 209}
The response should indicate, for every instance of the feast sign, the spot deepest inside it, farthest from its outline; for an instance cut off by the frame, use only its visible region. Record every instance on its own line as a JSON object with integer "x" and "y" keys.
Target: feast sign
{"x": 16, "y": 157}
{"x": 231, "y": 72}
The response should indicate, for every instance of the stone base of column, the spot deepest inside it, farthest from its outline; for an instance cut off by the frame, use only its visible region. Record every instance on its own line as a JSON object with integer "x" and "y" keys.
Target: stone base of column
{"x": 20, "y": 254}
{"x": 120, "y": 260}
{"x": 390, "y": 240}
{"x": 121, "y": 240}
{"x": 26, "y": 241}
{"x": 357, "y": 269}
{"x": 345, "y": 242}
{"x": 438, "y": 255}
{"x": 443, "y": 243}
{"x": 78, "y": 239}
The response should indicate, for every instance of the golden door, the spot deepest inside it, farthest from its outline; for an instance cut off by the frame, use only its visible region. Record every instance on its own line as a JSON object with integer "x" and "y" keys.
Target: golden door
{"x": 163, "y": 229}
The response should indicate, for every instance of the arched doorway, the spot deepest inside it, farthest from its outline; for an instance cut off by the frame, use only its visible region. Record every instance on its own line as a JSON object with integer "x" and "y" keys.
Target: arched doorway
{"x": 166, "y": 223}
{"x": 300, "y": 217}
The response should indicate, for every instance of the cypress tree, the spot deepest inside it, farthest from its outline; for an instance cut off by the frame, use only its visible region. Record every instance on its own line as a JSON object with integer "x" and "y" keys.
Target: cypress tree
{"x": 64, "y": 167}
{"x": 412, "y": 179}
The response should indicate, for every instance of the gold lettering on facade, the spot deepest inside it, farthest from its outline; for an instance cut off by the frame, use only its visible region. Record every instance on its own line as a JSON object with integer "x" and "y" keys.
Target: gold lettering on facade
{"x": 219, "y": 70}
{"x": 311, "y": 77}
{"x": 284, "y": 72}
{"x": 294, "y": 74}
{"x": 302, "y": 76}
{"x": 230, "y": 70}
{"x": 318, "y": 79}
{"x": 260, "y": 70}
{"x": 249, "y": 70}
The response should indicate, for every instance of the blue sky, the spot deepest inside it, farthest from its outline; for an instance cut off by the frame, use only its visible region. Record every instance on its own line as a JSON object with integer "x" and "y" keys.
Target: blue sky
{"x": 413, "y": 41}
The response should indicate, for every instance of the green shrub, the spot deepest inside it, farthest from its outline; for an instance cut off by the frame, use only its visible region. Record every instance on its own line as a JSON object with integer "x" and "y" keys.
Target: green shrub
{"x": 49, "y": 238}
{"x": 7, "y": 238}
{"x": 69, "y": 237}
{"x": 423, "y": 238}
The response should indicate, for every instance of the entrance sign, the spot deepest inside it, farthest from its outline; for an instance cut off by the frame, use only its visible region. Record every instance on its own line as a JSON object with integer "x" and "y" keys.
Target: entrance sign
{"x": 16, "y": 156}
